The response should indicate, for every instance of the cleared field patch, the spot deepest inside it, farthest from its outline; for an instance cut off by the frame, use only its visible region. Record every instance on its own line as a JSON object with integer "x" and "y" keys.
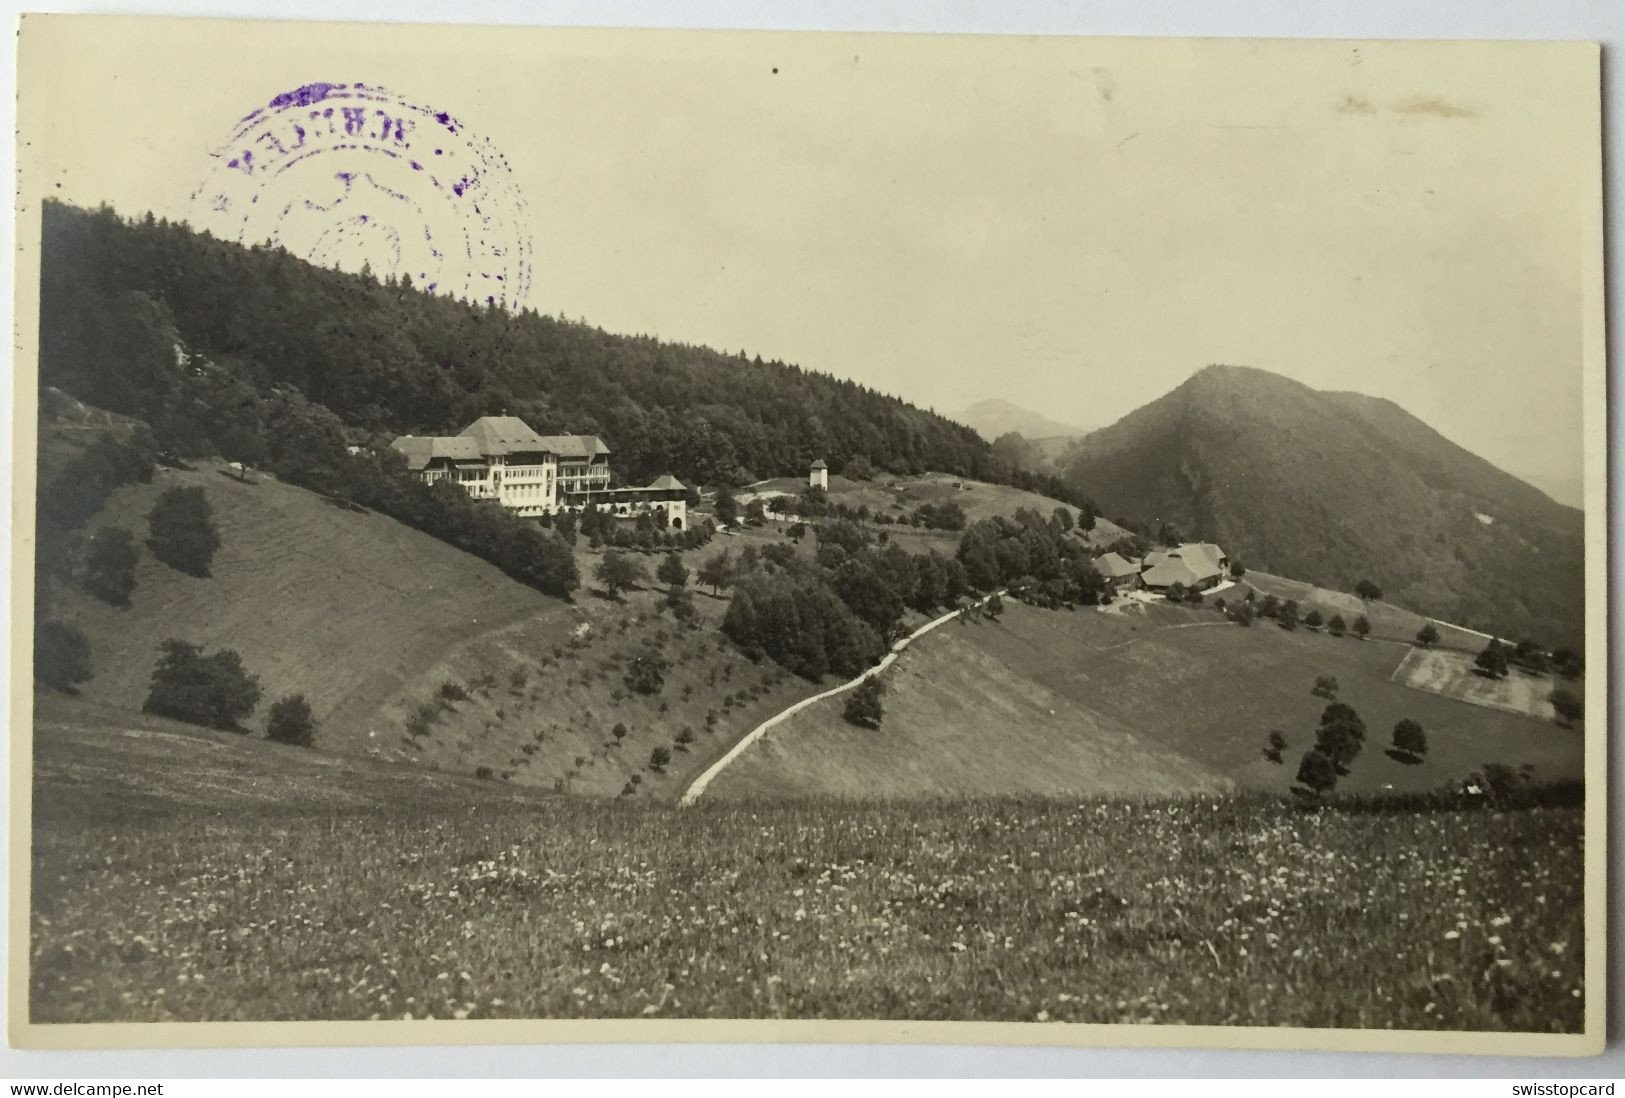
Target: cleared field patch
{"x": 1162, "y": 701}
{"x": 1454, "y": 675}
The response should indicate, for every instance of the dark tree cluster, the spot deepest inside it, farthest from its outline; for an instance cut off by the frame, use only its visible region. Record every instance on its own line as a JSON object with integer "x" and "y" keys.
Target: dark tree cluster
{"x": 1338, "y": 742}
{"x": 181, "y": 531}
{"x": 838, "y": 611}
{"x": 648, "y": 532}
{"x": 213, "y": 690}
{"x": 120, "y": 298}
{"x": 1035, "y": 558}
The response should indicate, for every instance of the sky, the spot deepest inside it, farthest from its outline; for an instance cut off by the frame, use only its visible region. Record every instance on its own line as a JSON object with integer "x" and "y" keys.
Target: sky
{"x": 1075, "y": 225}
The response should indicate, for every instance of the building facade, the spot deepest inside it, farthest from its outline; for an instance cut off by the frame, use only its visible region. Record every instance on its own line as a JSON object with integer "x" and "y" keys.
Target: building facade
{"x": 818, "y": 475}
{"x": 500, "y": 458}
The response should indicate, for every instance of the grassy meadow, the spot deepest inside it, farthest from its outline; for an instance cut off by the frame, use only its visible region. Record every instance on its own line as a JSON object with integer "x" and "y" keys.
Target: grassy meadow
{"x": 370, "y": 619}
{"x": 1144, "y": 699}
{"x": 1233, "y": 911}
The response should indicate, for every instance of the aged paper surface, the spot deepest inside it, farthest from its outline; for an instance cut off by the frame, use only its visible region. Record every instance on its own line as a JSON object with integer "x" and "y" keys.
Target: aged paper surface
{"x": 1056, "y": 236}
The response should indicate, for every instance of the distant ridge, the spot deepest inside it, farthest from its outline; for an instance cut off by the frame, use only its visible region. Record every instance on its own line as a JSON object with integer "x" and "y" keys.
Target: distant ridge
{"x": 1334, "y": 487}
{"x": 994, "y": 417}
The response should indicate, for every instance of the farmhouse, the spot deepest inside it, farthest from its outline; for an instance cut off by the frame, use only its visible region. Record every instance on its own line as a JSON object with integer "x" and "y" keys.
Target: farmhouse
{"x": 500, "y": 458}
{"x": 1119, "y": 571}
{"x": 1198, "y": 564}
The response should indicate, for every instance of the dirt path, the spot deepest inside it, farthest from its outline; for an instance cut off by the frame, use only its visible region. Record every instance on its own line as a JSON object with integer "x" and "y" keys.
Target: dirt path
{"x": 693, "y": 792}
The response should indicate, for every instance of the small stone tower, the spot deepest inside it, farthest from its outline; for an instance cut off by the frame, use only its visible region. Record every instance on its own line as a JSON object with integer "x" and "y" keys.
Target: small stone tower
{"x": 818, "y": 475}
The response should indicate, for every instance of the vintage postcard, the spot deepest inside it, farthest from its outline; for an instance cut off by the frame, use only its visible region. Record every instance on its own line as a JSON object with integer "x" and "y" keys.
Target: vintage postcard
{"x": 599, "y": 535}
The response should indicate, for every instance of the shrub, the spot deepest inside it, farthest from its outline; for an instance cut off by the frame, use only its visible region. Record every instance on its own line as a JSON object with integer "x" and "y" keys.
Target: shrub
{"x": 1242, "y": 614}
{"x": 1566, "y": 704}
{"x": 864, "y": 704}
{"x": 1428, "y": 635}
{"x": 672, "y": 572}
{"x": 659, "y": 759}
{"x": 1274, "y": 746}
{"x": 1317, "y": 771}
{"x": 214, "y": 690}
{"x": 646, "y": 673}
{"x": 1367, "y": 591}
{"x": 1409, "y": 739}
{"x": 617, "y": 572}
{"x": 1341, "y": 735}
{"x": 1493, "y": 659}
{"x": 684, "y": 738}
{"x": 61, "y": 656}
{"x": 1337, "y": 626}
{"x": 110, "y": 565}
{"x": 994, "y": 607}
{"x": 1325, "y": 686}
{"x": 291, "y": 722}
{"x": 181, "y": 532}
{"x": 1362, "y": 627}
{"x": 453, "y": 691}
{"x": 484, "y": 773}
{"x": 1287, "y": 616}
{"x": 619, "y": 731}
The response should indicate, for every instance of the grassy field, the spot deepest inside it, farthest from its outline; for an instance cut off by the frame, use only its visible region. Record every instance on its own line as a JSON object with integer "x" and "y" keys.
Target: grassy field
{"x": 95, "y": 764}
{"x": 1211, "y": 911}
{"x": 369, "y": 619}
{"x": 1388, "y": 622}
{"x": 1454, "y": 675}
{"x": 1156, "y": 701}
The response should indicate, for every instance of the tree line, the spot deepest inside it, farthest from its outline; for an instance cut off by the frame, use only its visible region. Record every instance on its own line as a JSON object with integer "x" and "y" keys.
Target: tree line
{"x": 125, "y": 302}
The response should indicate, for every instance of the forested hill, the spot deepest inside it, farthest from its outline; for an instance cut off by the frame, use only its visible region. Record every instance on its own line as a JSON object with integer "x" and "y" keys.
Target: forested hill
{"x": 1333, "y": 488}
{"x": 118, "y": 296}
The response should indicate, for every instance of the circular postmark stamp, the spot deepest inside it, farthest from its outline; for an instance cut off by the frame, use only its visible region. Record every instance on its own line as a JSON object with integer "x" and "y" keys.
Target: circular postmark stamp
{"x": 348, "y": 175}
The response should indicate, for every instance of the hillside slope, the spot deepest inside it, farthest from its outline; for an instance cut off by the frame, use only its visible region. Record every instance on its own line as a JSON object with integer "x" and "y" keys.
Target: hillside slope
{"x": 1151, "y": 701}
{"x": 1332, "y": 488}
{"x": 370, "y": 620}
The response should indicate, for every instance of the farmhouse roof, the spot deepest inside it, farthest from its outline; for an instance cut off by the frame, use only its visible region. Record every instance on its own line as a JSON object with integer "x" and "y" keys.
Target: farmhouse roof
{"x": 420, "y": 450}
{"x": 667, "y": 483}
{"x": 1115, "y": 565}
{"x": 1190, "y": 563}
{"x": 1170, "y": 570}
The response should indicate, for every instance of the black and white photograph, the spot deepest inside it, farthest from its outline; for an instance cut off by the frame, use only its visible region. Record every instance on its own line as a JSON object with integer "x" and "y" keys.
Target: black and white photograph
{"x": 605, "y": 534}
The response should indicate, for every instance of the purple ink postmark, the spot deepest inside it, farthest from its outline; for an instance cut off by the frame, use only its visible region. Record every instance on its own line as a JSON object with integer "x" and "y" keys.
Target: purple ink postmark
{"x": 346, "y": 174}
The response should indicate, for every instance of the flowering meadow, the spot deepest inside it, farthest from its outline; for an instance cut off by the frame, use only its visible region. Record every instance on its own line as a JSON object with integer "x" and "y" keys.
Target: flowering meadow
{"x": 1225, "y": 911}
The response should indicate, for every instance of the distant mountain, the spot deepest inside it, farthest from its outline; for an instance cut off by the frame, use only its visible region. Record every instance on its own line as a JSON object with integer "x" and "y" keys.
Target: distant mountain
{"x": 992, "y": 418}
{"x": 1332, "y": 488}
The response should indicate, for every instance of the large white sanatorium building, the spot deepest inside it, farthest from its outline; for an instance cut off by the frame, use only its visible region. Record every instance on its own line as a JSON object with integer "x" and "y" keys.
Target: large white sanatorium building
{"x": 500, "y": 458}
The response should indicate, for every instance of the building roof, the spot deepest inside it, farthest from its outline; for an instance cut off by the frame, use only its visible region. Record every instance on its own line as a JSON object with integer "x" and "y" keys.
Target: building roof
{"x": 1115, "y": 565}
{"x": 819, "y": 464}
{"x": 419, "y": 451}
{"x": 1193, "y": 562}
{"x": 492, "y": 435}
{"x": 668, "y": 483}
{"x": 575, "y": 447}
